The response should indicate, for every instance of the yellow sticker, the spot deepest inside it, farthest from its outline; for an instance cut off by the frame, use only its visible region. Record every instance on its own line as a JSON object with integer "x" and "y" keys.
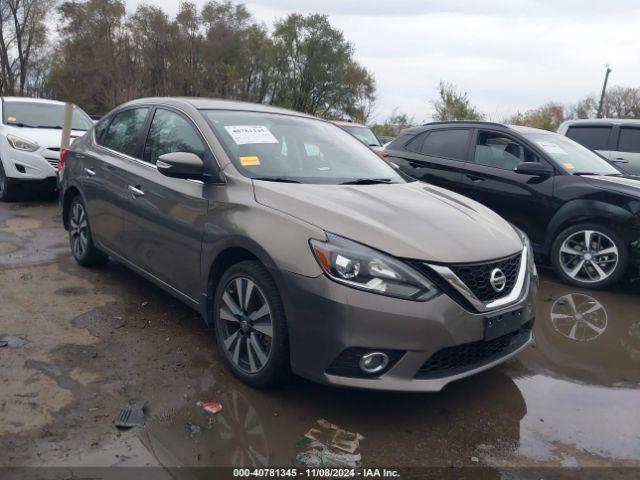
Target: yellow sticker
{"x": 249, "y": 161}
{"x": 569, "y": 166}
{"x": 11, "y": 119}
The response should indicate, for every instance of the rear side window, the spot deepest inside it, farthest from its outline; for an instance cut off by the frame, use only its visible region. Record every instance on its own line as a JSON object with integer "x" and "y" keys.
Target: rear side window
{"x": 99, "y": 129}
{"x": 124, "y": 131}
{"x": 629, "y": 140}
{"x": 595, "y": 138}
{"x": 171, "y": 132}
{"x": 447, "y": 143}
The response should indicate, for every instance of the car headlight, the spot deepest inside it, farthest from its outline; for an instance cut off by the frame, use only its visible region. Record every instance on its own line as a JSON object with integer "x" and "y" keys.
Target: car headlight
{"x": 530, "y": 257}
{"x": 364, "y": 268}
{"x": 22, "y": 144}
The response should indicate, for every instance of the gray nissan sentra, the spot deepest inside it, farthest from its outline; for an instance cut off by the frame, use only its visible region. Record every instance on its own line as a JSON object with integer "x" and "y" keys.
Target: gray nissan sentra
{"x": 302, "y": 248}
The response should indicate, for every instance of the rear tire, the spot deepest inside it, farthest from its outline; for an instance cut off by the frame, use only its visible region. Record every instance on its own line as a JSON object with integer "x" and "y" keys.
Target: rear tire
{"x": 80, "y": 239}
{"x": 8, "y": 191}
{"x": 250, "y": 325}
{"x": 590, "y": 255}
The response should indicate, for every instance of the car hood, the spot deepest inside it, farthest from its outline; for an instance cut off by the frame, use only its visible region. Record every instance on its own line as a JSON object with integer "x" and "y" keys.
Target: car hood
{"x": 411, "y": 220}
{"x": 624, "y": 184}
{"x": 45, "y": 137}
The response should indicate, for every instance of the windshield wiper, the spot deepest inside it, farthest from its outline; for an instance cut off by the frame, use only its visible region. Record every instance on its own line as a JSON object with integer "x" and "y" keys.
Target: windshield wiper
{"x": 277, "y": 179}
{"x": 54, "y": 127}
{"x": 20, "y": 124}
{"x": 367, "y": 181}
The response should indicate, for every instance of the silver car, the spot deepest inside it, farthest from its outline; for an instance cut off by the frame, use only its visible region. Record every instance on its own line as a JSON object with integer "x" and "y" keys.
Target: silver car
{"x": 303, "y": 249}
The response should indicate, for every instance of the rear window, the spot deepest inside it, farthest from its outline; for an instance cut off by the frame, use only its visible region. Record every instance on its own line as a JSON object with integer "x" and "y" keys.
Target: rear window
{"x": 124, "y": 131}
{"x": 447, "y": 143}
{"x": 629, "y": 140}
{"x": 595, "y": 138}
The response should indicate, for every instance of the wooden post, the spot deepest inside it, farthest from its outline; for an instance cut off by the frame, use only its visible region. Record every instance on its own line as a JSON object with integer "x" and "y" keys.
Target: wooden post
{"x": 66, "y": 126}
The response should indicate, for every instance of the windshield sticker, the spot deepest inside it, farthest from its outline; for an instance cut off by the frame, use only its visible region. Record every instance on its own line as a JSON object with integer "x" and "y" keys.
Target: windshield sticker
{"x": 569, "y": 166}
{"x": 249, "y": 161}
{"x": 12, "y": 119}
{"x": 552, "y": 148}
{"x": 249, "y": 134}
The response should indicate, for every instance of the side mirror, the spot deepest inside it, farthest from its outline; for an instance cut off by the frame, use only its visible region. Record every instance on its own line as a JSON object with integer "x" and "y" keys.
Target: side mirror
{"x": 181, "y": 165}
{"x": 535, "y": 169}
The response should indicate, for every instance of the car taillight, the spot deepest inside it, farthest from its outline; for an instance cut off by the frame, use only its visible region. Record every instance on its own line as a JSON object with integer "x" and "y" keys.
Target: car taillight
{"x": 63, "y": 156}
{"x": 383, "y": 154}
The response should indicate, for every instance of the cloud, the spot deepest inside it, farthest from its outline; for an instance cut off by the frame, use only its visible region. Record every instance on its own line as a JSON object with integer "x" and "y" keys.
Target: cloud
{"x": 508, "y": 55}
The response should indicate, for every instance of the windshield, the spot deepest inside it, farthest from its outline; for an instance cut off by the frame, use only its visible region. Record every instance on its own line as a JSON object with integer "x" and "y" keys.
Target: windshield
{"x": 42, "y": 115}
{"x": 288, "y": 148}
{"x": 571, "y": 156}
{"x": 364, "y": 134}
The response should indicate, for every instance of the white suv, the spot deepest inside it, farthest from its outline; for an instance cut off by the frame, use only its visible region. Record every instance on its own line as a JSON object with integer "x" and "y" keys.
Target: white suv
{"x": 30, "y": 137}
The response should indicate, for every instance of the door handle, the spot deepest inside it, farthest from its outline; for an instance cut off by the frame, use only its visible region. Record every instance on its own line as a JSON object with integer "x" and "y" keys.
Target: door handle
{"x": 136, "y": 191}
{"x": 475, "y": 178}
{"x": 89, "y": 172}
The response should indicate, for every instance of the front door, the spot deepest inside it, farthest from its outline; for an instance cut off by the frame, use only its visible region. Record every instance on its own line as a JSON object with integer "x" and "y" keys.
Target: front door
{"x": 524, "y": 200}
{"x": 165, "y": 219}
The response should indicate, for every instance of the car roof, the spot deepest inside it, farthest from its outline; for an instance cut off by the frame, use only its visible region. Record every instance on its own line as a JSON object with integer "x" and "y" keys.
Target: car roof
{"x": 32, "y": 100}
{"x": 201, "y": 103}
{"x": 602, "y": 121}
{"x": 474, "y": 124}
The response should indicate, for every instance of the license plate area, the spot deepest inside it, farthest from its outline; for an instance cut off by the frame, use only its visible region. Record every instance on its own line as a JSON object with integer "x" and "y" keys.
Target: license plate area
{"x": 498, "y": 325}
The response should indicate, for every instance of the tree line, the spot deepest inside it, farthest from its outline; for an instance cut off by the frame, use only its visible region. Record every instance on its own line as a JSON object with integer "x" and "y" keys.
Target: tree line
{"x": 102, "y": 56}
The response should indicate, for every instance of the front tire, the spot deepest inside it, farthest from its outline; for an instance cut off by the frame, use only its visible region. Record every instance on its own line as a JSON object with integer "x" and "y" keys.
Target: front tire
{"x": 590, "y": 255}
{"x": 8, "y": 191}
{"x": 80, "y": 239}
{"x": 250, "y": 325}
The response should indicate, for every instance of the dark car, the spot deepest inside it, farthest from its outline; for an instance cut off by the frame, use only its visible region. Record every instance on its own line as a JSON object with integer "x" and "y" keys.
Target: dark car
{"x": 581, "y": 213}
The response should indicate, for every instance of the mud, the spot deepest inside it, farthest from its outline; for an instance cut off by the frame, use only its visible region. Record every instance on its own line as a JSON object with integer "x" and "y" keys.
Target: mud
{"x": 86, "y": 342}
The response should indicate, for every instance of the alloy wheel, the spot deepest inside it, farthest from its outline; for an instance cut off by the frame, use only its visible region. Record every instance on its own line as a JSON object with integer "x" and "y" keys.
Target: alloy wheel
{"x": 247, "y": 324}
{"x": 589, "y": 256}
{"x": 579, "y": 317}
{"x": 78, "y": 230}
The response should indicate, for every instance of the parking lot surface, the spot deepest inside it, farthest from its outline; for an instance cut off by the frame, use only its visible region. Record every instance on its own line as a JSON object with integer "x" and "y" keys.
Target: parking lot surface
{"x": 84, "y": 343}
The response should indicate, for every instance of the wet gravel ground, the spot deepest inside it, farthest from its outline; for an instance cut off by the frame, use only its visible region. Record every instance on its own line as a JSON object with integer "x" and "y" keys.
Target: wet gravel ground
{"x": 83, "y": 343}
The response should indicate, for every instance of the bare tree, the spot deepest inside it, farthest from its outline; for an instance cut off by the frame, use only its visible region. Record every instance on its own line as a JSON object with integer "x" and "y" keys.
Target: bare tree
{"x": 23, "y": 33}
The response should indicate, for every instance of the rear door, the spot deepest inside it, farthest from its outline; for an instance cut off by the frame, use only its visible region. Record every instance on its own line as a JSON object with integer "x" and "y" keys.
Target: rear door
{"x": 165, "y": 218}
{"x": 524, "y": 200}
{"x": 438, "y": 156}
{"x": 117, "y": 140}
{"x": 628, "y": 150}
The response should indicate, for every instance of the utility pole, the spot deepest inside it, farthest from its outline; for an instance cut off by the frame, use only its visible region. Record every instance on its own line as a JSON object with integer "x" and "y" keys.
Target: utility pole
{"x": 604, "y": 90}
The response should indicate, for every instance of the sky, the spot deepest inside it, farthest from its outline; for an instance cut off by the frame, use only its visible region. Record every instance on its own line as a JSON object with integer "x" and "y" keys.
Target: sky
{"x": 509, "y": 55}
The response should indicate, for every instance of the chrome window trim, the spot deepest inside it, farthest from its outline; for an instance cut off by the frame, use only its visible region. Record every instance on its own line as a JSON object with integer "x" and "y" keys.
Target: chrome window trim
{"x": 515, "y": 294}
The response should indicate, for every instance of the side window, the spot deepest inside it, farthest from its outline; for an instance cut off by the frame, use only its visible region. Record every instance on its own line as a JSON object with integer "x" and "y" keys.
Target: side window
{"x": 171, "y": 132}
{"x": 99, "y": 129}
{"x": 629, "y": 140}
{"x": 496, "y": 150}
{"x": 447, "y": 143}
{"x": 594, "y": 138}
{"x": 124, "y": 131}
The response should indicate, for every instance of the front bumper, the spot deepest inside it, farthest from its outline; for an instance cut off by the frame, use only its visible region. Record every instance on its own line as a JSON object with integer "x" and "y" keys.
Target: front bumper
{"x": 29, "y": 166}
{"x": 325, "y": 319}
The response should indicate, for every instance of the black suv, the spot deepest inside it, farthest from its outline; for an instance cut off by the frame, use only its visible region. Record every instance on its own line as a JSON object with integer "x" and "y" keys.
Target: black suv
{"x": 581, "y": 213}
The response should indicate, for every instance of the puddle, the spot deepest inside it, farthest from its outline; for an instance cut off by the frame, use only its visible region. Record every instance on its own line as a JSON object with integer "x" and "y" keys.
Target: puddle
{"x": 547, "y": 408}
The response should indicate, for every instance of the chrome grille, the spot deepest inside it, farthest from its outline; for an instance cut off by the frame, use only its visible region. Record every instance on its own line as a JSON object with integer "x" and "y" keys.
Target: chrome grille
{"x": 477, "y": 277}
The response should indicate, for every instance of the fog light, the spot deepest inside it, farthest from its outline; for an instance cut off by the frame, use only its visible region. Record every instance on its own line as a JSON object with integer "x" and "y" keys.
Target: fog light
{"x": 373, "y": 362}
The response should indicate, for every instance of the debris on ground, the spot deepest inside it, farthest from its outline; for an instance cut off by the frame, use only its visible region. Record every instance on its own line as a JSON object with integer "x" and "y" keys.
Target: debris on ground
{"x": 192, "y": 429}
{"x": 211, "y": 407}
{"x": 13, "y": 341}
{"x": 329, "y": 446}
{"x": 131, "y": 415}
{"x": 3, "y": 344}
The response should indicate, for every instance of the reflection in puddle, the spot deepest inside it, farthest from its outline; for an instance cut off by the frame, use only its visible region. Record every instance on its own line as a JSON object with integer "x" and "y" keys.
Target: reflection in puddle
{"x": 579, "y": 317}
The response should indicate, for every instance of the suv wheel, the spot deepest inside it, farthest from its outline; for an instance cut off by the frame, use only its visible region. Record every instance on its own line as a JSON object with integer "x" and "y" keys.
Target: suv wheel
{"x": 590, "y": 255}
{"x": 250, "y": 325}
{"x": 7, "y": 190}
{"x": 80, "y": 239}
